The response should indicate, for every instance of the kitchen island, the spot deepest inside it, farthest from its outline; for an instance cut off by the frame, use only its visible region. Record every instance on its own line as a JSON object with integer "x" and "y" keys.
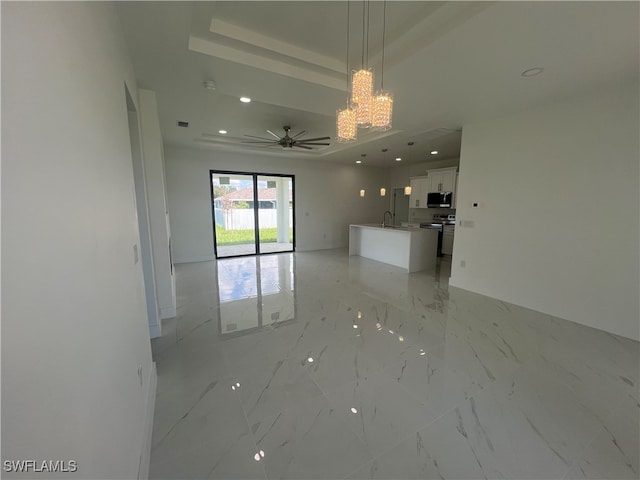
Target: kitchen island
{"x": 413, "y": 249}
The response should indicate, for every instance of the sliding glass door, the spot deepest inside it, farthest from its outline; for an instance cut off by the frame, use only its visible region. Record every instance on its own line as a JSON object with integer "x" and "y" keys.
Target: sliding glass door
{"x": 234, "y": 219}
{"x": 275, "y": 213}
{"x": 252, "y": 213}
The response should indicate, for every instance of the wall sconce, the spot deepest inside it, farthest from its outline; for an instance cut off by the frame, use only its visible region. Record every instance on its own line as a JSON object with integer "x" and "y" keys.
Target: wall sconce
{"x": 362, "y": 193}
{"x": 407, "y": 190}
{"x": 383, "y": 192}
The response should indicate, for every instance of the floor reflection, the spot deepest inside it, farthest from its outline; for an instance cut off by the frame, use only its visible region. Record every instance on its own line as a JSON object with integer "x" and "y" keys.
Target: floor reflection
{"x": 255, "y": 291}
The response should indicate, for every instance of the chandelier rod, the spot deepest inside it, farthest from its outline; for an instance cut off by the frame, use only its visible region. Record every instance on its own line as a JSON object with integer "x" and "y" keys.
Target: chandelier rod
{"x": 362, "y": 61}
{"x": 368, "y": 12}
{"x": 384, "y": 28}
{"x": 348, "y": 23}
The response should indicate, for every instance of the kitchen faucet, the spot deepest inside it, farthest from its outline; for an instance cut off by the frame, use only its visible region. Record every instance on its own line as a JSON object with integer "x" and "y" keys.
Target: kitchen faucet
{"x": 384, "y": 217}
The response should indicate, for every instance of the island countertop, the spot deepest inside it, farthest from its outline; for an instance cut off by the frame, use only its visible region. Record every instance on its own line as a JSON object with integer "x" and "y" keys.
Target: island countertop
{"x": 387, "y": 227}
{"x": 411, "y": 248}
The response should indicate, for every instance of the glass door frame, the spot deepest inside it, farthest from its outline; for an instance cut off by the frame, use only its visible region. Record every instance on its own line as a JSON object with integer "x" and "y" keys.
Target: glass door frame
{"x": 256, "y": 209}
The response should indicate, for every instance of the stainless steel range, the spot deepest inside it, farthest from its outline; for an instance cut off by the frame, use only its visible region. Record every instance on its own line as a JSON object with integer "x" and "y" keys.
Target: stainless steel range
{"x": 439, "y": 222}
{"x": 439, "y": 219}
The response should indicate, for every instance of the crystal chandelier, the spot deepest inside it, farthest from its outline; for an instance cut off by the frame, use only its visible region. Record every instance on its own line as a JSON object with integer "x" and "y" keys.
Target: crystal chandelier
{"x": 362, "y": 80}
{"x": 364, "y": 109}
{"x": 382, "y": 111}
{"x": 346, "y": 125}
{"x": 361, "y": 95}
{"x": 346, "y": 118}
{"x": 382, "y": 102}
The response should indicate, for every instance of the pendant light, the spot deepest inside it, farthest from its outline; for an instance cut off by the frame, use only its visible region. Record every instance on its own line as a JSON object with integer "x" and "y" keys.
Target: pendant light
{"x": 383, "y": 190}
{"x": 382, "y": 102}
{"x": 346, "y": 118}
{"x": 364, "y": 109}
{"x": 362, "y": 80}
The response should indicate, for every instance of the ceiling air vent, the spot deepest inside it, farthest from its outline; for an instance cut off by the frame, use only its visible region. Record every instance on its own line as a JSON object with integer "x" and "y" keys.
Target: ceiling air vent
{"x": 183, "y": 124}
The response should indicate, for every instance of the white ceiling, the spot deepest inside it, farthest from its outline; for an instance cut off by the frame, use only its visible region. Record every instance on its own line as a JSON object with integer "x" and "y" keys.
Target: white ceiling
{"x": 447, "y": 63}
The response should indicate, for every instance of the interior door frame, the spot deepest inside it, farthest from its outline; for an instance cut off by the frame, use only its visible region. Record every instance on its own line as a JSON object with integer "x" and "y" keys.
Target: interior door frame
{"x": 396, "y": 192}
{"x": 256, "y": 208}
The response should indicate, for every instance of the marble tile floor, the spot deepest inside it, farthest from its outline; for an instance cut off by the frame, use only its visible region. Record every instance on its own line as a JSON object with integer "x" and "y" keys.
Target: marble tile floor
{"x": 317, "y": 365}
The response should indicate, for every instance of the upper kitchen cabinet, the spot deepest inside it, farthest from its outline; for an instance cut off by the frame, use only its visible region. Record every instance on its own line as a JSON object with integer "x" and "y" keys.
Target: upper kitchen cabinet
{"x": 419, "y": 189}
{"x": 442, "y": 180}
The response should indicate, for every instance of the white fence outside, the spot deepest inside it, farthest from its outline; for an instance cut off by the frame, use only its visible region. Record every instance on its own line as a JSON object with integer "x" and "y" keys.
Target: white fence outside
{"x": 243, "y": 219}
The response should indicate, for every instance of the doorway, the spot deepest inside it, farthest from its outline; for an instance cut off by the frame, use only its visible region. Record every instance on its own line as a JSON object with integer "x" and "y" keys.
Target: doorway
{"x": 253, "y": 213}
{"x": 142, "y": 214}
{"x": 400, "y": 206}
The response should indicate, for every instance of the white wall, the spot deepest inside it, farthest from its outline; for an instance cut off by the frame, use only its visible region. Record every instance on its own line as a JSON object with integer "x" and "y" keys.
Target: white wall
{"x": 73, "y": 304}
{"x": 326, "y": 197}
{"x": 557, "y": 227}
{"x": 154, "y": 170}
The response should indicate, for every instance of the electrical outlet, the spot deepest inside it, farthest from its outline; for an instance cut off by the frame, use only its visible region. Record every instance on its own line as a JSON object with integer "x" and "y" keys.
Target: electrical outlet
{"x": 463, "y": 263}
{"x": 135, "y": 254}
{"x": 140, "y": 374}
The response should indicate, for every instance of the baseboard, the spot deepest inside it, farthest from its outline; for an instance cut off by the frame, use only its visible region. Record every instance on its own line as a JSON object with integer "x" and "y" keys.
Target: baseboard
{"x": 207, "y": 258}
{"x": 145, "y": 455}
{"x": 168, "y": 312}
{"x": 155, "y": 331}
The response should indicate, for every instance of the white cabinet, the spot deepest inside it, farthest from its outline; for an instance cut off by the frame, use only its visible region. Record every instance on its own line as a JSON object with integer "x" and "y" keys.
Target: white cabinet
{"x": 419, "y": 190}
{"x": 442, "y": 179}
{"x": 437, "y": 180}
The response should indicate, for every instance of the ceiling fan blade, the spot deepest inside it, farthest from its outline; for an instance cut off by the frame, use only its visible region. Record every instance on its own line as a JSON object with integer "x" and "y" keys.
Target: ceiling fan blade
{"x": 302, "y": 146}
{"x": 299, "y": 133}
{"x": 260, "y": 141}
{"x": 313, "y": 139}
{"x": 270, "y": 132}
{"x": 261, "y": 138}
{"x": 312, "y": 143}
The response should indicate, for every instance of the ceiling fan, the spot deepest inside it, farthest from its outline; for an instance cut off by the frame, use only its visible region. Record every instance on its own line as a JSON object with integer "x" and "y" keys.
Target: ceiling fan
{"x": 287, "y": 141}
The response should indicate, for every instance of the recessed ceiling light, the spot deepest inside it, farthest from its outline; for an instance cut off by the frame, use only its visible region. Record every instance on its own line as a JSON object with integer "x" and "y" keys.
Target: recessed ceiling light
{"x": 532, "y": 72}
{"x": 358, "y": 161}
{"x": 434, "y": 152}
{"x": 398, "y": 159}
{"x": 245, "y": 99}
{"x": 222, "y": 132}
